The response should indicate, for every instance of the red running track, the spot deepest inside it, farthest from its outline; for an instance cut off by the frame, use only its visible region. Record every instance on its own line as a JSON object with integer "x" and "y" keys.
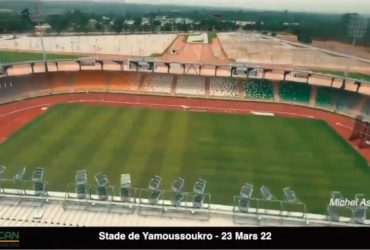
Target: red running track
{"x": 15, "y": 115}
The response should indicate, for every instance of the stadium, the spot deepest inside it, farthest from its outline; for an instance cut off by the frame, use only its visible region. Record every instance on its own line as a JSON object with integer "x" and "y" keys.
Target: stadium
{"x": 202, "y": 134}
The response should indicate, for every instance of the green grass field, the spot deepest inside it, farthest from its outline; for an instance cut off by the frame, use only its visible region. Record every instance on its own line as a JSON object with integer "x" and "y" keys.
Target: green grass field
{"x": 13, "y": 56}
{"x": 226, "y": 150}
{"x": 211, "y": 35}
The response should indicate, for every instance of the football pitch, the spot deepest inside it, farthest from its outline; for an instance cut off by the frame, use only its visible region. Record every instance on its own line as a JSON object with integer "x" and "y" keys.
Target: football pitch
{"x": 226, "y": 150}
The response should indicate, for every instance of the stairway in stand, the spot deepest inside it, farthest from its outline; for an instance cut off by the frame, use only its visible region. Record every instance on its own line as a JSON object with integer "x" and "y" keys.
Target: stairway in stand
{"x": 174, "y": 84}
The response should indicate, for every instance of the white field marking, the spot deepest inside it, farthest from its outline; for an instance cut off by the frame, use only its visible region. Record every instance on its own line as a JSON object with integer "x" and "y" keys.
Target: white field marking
{"x": 198, "y": 110}
{"x": 180, "y": 106}
{"x": 262, "y": 113}
{"x": 44, "y": 108}
{"x": 23, "y": 109}
{"x": 344, "y": 126}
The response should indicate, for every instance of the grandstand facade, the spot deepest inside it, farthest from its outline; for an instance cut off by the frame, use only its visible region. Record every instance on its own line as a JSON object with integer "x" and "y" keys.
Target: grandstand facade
{"x": 349, "y": 97}
{"x": 332, "y": 93}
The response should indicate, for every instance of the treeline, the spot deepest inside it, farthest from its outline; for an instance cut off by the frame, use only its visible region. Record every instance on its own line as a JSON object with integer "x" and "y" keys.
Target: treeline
{"x": 306, "y": 26}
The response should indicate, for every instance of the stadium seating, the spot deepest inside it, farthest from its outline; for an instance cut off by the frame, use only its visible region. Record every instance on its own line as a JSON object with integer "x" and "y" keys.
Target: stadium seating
{"x": 347, "y": 101}
{"x": 62, "y": 82}
{"x": 12, "y": 88}
{"x": 295, "y": 92}
{"x": 367, "y": 109}
{"x": 39, "y": 84}
{"x": 339, "y": 99}
{"x": 159, "y": 83}
{"x": 326, "y": 97}
{"x": 124, "y": 81}
{"x": 91, "y": 81}
{"x": 259, "y": 89}
{"x": 191, "y": 85}
{"x": 225, "y": 87}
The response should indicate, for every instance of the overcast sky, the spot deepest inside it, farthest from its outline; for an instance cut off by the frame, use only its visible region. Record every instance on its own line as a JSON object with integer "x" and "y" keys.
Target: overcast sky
{"x": 337, "y": 6}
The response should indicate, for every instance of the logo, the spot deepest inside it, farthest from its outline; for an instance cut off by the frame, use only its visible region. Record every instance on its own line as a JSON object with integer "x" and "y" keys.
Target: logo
{"x": 9, "y": 239}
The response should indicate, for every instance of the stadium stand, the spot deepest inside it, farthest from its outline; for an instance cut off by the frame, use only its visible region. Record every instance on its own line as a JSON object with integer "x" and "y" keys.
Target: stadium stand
{"x": 342, "y": 100}
{"x": 91, "y": 81}
{"x": 61, "y": 82}
{"x": 326, "y": 97}
{"x": 367, "y": 108}
{"x": 159, "y": 83}
{"x": 39, "y": 84}
{"x": 347, "y": 101}
{"x": 12, "y": 88}
{"x": 259, "y": 89}
{"x": 225, "y": 87}
{"x": 124, "y": 81}
{"x": 293, "y": 92}
{"x": 190, "y": 85}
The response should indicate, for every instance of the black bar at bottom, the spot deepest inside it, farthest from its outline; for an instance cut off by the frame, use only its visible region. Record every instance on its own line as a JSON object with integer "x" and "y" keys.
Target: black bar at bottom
{"x": 183, "y": 237}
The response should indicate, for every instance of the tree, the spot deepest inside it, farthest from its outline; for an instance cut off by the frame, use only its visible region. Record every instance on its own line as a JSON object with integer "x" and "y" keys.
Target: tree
{"x": 25, "y": 13}
{"x": 58, "y": 22}
{"x": 118, "y": 24}
{"x": 99, "y": 26}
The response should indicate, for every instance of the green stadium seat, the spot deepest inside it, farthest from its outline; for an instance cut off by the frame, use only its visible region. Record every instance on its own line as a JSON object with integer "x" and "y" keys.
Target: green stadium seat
{"x": 295, "y": 92}
{"x": 259, "y": 89}
{"x": 326, "y": 97}
{"x": 347, "y": 101}
{"x": 367, "y": 109}
{"x": 342, "y": 100}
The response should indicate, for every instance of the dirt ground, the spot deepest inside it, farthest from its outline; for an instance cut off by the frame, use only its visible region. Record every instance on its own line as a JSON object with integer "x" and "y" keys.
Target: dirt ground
{"x": 15, "y": 115}
{"x": 345, "y": 48}
{"x": 192, "y": 52}
{"x": 256, "y": 49}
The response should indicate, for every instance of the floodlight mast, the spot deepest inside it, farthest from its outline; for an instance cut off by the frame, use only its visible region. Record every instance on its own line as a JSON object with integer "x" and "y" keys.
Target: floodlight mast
{"x": 356, "y": 29}
{"x": 39, "y": 28}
